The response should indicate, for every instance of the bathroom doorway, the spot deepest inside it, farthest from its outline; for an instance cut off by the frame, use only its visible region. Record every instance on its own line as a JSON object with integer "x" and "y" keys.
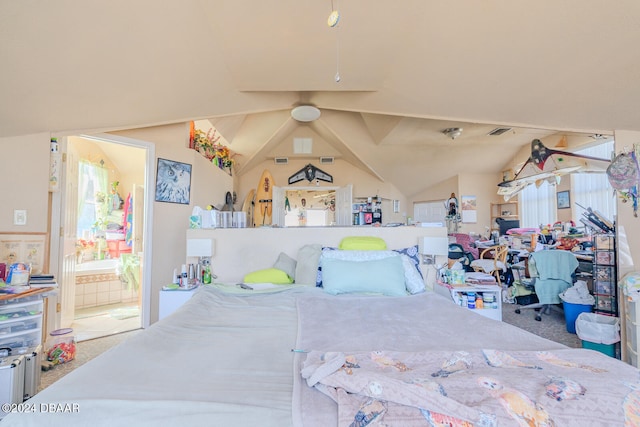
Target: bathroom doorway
{"x": 104, "y": 207}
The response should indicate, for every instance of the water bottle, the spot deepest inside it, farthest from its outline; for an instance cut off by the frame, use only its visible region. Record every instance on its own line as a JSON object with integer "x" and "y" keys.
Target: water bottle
{"x": 206, "y": 277}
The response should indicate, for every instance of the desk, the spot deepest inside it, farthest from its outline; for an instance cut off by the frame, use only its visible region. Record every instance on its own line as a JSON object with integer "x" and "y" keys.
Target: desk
{"x": 459, "y": 293}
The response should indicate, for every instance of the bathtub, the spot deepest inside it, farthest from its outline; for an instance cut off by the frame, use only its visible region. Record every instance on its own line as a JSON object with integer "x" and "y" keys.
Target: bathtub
{"x": 98, "y": 283}
{"x": 97, "y": 267}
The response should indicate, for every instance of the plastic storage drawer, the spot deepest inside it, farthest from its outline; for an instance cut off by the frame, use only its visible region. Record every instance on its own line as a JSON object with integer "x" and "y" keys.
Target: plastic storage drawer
{"x": 12, "y": 380}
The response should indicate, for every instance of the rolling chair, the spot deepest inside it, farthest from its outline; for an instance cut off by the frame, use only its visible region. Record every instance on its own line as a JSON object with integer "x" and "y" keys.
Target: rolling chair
{"x": 553, "y": 272}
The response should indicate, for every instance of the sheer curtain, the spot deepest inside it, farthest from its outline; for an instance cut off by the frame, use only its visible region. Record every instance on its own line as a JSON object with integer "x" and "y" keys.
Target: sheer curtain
{"x": 92, "y": 179}
{"x": 537, "y": 205}
{"x": 592, "y": 190}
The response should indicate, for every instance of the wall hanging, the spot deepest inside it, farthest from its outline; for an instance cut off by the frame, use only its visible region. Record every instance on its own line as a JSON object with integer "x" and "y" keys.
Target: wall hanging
{"x": 173, "y": 182}
{"x": 624, "y": 176}
{"x": 310, "y": 172}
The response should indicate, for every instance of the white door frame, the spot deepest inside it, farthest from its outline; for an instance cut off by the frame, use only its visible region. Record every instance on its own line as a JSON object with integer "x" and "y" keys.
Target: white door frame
{"x": 148, "y": 218}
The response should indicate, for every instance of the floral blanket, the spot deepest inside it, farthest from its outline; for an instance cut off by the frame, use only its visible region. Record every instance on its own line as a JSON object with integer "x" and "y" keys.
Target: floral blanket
{"x": 571, "y": 387}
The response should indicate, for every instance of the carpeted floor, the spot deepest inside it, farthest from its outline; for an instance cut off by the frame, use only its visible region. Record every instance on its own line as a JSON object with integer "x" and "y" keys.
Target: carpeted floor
{"x": 85, "y": 351}
{"x": 552, "y": 327}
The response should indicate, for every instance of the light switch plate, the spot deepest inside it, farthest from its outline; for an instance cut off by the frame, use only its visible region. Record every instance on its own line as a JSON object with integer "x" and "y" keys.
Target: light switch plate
{"x": 19, "y": 217}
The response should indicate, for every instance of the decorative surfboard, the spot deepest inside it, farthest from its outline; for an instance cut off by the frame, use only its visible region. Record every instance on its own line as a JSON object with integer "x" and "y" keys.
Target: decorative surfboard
{"x": 263, "y": 200}
{"x": 248, "y": 206}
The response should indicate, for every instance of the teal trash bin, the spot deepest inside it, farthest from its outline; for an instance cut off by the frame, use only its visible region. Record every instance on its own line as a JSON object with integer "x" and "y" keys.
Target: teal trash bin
{"x": 571, "y": 313}
{"x": 598, "y": 332}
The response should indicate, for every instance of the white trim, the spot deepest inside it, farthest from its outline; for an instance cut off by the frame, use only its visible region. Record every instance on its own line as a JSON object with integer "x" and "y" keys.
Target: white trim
{"x": 147, "y": 233}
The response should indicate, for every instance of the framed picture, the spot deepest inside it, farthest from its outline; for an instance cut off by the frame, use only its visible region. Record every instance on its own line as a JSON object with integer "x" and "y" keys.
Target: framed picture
{"x": 564, "y": 201}
{"x": 173, "y": 182}
{"x": 469, "y": 209}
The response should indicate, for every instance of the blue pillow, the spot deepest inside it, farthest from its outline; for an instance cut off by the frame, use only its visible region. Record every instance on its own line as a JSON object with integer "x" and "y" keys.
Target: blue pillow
{"x": 411, "y": 252}
{"x": 319, "y": 273}
{"x": 383, "y": 276}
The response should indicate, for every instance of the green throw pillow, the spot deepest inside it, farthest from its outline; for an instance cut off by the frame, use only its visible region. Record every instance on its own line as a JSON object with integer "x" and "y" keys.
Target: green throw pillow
{"x": 268, "y": 275}
{"x": 362, "y": 243}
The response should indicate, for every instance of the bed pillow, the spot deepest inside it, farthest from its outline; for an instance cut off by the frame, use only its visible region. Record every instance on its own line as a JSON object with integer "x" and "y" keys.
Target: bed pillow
{"x": 384, "y": 276}
{"x": 413, "y": 280}
{"x": 414, "y": 256}
{"x": 268, "y": 275}
{"x": 362, "y": 243}
{"x": 286, "y": 264}
{"x": 307, "y": 264}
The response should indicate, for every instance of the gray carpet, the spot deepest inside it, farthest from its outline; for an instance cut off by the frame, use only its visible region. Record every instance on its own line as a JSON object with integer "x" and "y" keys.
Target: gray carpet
{"x": 552, "y": 327}
{"x": 85, "y": 351}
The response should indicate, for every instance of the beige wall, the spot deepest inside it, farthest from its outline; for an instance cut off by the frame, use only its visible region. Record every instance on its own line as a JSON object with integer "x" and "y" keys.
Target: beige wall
{"x": 170, "y": 220}
{"x": 25, "y": 168}
{"x": 483, "y": 186}
{"x": 343, "y": 173}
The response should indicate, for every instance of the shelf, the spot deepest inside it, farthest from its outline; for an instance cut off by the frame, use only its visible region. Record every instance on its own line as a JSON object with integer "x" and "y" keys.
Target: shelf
{"x": 498, "y": 208}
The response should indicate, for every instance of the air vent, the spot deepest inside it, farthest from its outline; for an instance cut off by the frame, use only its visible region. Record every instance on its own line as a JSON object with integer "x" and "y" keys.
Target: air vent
{"x": 281, "y": 160}
{"x": 326, "y": 160}
{"x": 498, "y": 131}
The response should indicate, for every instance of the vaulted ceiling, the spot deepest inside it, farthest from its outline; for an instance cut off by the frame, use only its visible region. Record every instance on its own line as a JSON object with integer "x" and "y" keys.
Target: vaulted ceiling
{"x": 407, "y": 70}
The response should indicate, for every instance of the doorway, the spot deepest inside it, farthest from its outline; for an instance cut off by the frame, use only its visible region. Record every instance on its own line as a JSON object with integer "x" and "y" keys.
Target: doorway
{"x": 103, "y": 211}
{"x": 310, "y": 207}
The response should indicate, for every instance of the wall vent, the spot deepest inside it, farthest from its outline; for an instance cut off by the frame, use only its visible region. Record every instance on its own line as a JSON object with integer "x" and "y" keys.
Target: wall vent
{"x": 326, "y": 160}
{"x": 498, "y": 131}
{"x": 281, "y": 160}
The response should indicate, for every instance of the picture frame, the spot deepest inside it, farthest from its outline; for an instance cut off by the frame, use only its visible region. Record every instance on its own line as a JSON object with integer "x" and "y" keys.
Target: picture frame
{"x": 563, "y": 199}
{"x": 173, "y": 182}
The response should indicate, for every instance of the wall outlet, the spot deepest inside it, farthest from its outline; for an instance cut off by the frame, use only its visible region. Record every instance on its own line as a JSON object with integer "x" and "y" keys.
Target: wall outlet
{"x": 19, "y": 217}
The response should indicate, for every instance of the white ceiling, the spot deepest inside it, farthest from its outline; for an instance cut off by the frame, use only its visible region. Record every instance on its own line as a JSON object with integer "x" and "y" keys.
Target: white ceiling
{"x": 408, "y": 70}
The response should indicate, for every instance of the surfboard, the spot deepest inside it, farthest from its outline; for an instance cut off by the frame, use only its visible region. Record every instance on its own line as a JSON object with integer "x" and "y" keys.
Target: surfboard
{"x": 247, "y": 206}
{"x": 263, "y": 200}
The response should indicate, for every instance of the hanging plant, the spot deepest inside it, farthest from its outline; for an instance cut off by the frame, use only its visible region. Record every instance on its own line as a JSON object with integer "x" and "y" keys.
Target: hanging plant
{"x": 207, "y": 144}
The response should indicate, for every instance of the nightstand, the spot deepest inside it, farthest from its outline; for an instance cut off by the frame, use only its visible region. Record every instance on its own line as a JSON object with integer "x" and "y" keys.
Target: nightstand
{"x": 170, "y": 301}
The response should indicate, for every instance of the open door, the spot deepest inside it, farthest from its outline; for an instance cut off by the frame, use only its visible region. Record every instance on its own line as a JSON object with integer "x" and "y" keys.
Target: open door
{"x": 277, "y": 216}
{"x": 344, "y": 206}
{"x": 69, "y": 217}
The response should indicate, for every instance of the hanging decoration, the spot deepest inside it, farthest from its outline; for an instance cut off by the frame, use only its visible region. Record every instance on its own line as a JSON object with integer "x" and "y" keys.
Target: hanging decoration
{"x": 547, "y": 164}
{"x": 310, "y": 172}
{"x": 624, "y": 176}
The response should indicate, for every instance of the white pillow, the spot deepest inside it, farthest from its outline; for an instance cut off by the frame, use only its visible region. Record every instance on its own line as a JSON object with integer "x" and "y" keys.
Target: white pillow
{"x": 286, "y": 264}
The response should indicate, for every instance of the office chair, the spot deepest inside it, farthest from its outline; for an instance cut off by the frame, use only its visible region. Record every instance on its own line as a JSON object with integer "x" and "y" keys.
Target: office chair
{"x": 496, "y": 265}
{"x": 553, "y": 272}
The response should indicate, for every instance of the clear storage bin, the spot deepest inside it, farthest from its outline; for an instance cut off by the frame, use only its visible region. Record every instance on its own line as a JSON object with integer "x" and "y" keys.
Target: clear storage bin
{"x": 61, "y": 346}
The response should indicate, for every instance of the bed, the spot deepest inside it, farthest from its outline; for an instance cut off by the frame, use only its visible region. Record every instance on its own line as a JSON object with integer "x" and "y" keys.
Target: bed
{"x": 290, "y": 355}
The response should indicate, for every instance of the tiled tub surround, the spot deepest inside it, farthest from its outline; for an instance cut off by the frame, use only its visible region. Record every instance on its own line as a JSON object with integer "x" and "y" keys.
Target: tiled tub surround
{"x": 98, "y": 284}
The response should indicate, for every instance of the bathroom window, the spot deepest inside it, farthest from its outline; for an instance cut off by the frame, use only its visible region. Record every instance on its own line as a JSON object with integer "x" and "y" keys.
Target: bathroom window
{"x": 92, "y": 194}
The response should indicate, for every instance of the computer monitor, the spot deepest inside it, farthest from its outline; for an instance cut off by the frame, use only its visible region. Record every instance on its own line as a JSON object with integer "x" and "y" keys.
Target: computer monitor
{"x": 507, "y": 224}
